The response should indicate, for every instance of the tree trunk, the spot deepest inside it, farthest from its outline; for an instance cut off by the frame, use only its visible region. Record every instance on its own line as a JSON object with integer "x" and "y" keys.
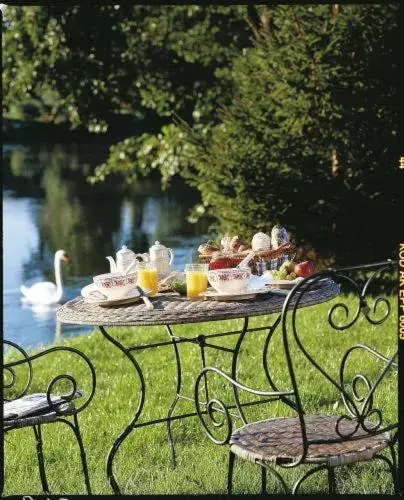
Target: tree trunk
{"x": 335, "y": 169}
{"x": 335, "y": 10}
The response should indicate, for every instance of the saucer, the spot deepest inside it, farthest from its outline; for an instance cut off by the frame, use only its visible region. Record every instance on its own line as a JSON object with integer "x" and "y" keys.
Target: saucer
{"x": 283, "y": 284}
{"x": 92, "y": 295}
{"x": 248, "y": 294}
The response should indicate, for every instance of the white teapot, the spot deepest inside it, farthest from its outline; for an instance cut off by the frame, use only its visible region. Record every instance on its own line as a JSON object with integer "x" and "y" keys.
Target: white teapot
{"x": 162, "y": 258}
{"x": 125, "y": 260}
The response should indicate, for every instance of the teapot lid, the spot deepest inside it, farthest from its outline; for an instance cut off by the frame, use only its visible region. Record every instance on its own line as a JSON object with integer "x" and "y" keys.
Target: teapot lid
{"x": 124, "y": 250}
{"x": 157, "y": 246}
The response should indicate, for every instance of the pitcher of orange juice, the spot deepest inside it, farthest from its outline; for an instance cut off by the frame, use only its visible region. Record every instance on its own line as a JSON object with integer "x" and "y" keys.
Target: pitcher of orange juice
{"x": 147, "y": 277}
{"x": 197, "y": 279}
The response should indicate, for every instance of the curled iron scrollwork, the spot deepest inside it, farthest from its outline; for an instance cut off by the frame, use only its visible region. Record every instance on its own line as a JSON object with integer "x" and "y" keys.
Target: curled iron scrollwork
{"x": 342, "y": 306}
{"x": 361, "y": 295}
{"x": 358, "y": 394}
{"x": 214, "y": 405}
{"x": 365, "y": 413}
{"x": 8, "y": 368}
{"x": 67, "y": 397}
{"x": 73, "y": 393}
{"x": 378, "y": 301}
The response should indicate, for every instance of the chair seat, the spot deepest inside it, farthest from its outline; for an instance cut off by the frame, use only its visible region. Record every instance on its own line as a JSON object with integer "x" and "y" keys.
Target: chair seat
{"x": 279, "y": 440}
{"x": 34, "y": 409}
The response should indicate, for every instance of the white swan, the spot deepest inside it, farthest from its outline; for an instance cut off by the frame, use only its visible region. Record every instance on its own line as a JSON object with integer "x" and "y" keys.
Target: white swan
{"x": 45, "y": 292}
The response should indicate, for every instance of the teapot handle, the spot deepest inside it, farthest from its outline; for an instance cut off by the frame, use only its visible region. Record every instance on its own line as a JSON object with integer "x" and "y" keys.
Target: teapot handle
{"x": 145, "y": 256}
{"x": 133, "y": 264}
{"x": 171, "y": 252}
{"x": 112, "y": 263}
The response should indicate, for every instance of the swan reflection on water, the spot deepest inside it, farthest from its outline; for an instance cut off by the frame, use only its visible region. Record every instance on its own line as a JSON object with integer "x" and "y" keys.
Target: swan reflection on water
{"x": 41, "y": 311}
{"x": 45, "y": 313}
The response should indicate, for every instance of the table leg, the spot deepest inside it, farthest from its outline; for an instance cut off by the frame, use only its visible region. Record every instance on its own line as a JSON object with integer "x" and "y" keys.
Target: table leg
{"x": 120, "y": 439}
{"x": 176, "y": 397}
{"x": 201, "y": 340}
{"x": 234, "y": 369}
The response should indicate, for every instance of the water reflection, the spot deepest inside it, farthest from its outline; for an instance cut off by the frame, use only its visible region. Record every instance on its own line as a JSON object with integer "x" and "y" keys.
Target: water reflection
{"x": 49, "y": 203}
{"x": 83, "y": 227}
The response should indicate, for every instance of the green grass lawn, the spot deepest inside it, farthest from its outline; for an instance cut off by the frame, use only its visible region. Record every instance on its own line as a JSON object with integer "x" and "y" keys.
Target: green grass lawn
{"x": 143, "y": 463}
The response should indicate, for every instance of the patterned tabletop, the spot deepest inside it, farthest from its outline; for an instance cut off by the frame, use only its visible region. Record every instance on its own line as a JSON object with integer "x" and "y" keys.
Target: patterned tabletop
{"x": 172, "y": 309}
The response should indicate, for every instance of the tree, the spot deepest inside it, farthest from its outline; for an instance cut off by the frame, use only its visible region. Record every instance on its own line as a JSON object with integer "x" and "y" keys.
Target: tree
{"x": 309, "y": 139}
{"x": 145, "y": 61}
{"x": 127, "y": 60}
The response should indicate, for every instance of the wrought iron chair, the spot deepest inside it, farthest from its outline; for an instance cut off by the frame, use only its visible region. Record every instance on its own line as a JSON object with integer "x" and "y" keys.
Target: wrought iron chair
{"x": 323, "y": 442}
{"x": 33, "y": 410}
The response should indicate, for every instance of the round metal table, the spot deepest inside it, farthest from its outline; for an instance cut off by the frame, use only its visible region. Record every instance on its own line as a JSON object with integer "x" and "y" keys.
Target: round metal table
{"x": 171, "y": 309}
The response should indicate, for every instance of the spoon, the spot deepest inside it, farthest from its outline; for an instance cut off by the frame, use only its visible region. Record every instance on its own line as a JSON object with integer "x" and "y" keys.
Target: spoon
{"x": 246, "y": 260}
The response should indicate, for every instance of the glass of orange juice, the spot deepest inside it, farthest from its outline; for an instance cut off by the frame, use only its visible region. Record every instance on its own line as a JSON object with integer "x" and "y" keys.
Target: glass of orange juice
{"x": 197, "y": 279}
{"x": 147, "y": 277}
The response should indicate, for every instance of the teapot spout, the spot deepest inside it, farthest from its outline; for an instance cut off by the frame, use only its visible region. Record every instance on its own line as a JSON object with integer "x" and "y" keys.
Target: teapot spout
{"x": 112, "y": 264}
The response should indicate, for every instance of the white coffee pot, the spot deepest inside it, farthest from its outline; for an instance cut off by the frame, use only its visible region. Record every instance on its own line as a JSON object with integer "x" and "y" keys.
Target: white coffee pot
{"x": 162, "y": 258}
{"x": 125, "y": 260}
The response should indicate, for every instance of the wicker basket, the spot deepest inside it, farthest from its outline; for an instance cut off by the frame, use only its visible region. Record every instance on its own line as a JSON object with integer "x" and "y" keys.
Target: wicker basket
{"x": 275, "y": 257}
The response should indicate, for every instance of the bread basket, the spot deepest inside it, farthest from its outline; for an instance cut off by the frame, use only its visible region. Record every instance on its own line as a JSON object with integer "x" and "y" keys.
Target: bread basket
{"x": 272, "y": 258}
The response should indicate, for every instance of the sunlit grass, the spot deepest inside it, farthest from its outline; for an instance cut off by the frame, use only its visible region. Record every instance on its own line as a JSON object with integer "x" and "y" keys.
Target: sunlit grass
{"x": 143, "y": 463}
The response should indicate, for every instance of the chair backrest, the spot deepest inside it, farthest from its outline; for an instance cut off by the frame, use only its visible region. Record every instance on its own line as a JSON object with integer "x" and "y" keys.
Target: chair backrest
{"x": 13, "y": 388}
{"x": 18, "y": 375}
{"x": 338, "y": 353}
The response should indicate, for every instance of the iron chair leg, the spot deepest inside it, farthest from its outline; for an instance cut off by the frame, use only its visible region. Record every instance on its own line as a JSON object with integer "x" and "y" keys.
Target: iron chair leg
{"x": 307, "y": 474}
{"x": 331, "y": 480}
{"x": 396, "y": 477}
{"x": 393, "y": 472}
{"x": 230, "y": 472}
{"x": 76, "y": 429}
{"x": 263, "y": 480}
{"x": 83, "y": 455}
{"x": 41, "y": 463}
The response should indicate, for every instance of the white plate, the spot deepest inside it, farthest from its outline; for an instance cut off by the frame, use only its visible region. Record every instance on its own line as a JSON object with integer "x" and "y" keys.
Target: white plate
{"x": 289, "y": 284}
{"x": 285, "y": 284}
{"x": 249, "y": 294}
{"x": 278, "y": 291}
{"x": 92, "y": 295}
{"x": 91, "y": 292}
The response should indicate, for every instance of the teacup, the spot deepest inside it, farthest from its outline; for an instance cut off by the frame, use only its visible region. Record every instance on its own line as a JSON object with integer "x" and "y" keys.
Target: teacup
{"x": 230, "y": 281}
{"x": 115, "y": 285}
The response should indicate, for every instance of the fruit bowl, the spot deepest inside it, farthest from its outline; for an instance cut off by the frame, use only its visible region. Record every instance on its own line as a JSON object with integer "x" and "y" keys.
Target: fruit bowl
{"x": 229, "y": 280}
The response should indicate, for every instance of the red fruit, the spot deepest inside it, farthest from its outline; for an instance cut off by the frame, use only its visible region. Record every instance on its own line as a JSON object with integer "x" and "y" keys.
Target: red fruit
{"x": 305, "y": 269}
{"x": 223, "y": 263}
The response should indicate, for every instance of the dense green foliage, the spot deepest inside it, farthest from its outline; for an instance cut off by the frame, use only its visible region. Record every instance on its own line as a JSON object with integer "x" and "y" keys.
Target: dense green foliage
{"x": 129, "y": 60}
{"x": 275, "y": 113}
{"x": 142, "y": 464}
{"x": 310, "y": 136}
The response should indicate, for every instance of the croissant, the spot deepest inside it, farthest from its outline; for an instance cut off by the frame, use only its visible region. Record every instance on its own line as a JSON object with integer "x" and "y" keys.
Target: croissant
{"x": 207, "y": 248}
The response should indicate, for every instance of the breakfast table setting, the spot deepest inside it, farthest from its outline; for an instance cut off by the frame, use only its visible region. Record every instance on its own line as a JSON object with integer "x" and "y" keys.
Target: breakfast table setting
{"x": 230, "y": 280}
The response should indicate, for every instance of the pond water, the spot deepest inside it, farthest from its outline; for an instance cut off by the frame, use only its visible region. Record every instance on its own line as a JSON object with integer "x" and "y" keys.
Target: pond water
{"x": 49, "y": 205}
